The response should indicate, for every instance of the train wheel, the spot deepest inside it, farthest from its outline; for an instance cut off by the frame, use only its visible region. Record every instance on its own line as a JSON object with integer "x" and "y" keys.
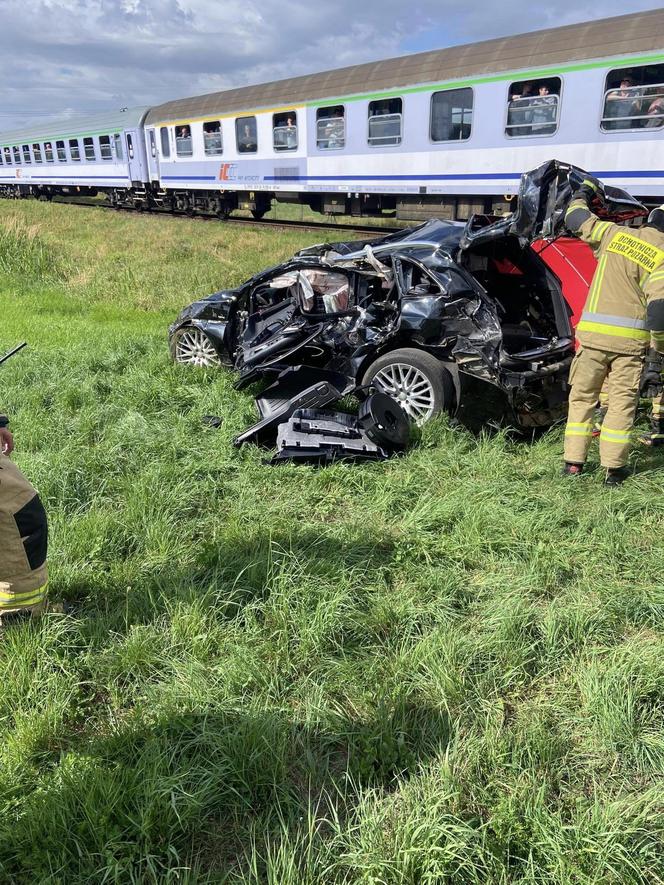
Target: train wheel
{"x": 258, "y": 213}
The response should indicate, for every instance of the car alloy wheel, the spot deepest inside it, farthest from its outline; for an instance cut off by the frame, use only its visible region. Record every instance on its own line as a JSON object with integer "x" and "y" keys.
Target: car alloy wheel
{"x": 409, "y": 387}
{"x": 193, "y": 347}
{"x": 416, "y": 379}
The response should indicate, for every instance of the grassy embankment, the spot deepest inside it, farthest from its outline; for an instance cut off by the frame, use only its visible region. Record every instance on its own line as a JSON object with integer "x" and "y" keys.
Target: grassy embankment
{"x": 445, "y": 668}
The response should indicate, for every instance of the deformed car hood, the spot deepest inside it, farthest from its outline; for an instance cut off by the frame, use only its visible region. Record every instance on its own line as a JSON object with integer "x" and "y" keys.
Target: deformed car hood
{"x": 544, "y": 194}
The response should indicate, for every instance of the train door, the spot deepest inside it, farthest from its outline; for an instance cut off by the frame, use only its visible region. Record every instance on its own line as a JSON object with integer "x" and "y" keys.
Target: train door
{"x": 153, "y": 154}
{"x": 136, "y": 156}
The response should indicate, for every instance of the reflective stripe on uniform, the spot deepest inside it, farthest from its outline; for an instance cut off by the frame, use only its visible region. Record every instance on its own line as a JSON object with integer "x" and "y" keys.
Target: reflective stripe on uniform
{"x": 28, "y": 597}
{"x": 578, "y": 428}
{"x": 614, "y": 436}
{"x": 577, "y": 214}
{"x": 658, "y": 338}
{"x": 644, "y": 254}
{"x": 598, "y": 231}
{"x": 612, "y": 329}
{"x": 656, "y": 277}
{"x": 593, "y": 295}
{"x": 609, "y": 319}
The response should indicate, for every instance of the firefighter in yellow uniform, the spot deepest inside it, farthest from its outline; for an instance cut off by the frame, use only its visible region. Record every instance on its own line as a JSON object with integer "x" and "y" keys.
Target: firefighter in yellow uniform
{"x": 23, "y": 538}
{"x": 623, "y": 311}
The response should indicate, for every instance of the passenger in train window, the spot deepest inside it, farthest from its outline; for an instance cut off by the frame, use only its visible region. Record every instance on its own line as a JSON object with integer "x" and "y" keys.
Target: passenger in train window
{"x": 543, "y": 115}
{"x": 246, "y": 137}
{"x": 212, "y": 138}
{"x": 655, "y": 113}
{"x": 622, "y": 105}
{"x": 285, "y": 131}
{"x": 183, "y": 143}
{"x": 334, "y": 131}
{"x": 291, "y": 133}
{"x": 519, "y": 111}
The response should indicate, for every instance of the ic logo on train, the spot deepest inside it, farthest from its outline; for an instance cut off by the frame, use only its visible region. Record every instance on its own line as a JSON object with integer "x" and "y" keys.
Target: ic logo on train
{"x": 227, "y": 172}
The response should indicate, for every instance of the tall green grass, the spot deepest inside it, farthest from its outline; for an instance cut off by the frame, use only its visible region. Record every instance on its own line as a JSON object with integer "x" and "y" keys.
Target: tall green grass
{"x": 446, "y": 668}
{"x": 25, "y": 256}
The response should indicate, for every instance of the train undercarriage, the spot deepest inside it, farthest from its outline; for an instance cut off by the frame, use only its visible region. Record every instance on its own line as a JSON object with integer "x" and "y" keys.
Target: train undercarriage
{"x": 222, "y": 204}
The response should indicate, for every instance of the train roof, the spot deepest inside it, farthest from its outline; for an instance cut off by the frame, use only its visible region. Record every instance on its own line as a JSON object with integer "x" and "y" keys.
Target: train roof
{"x": 624, "y": 35}
{"x": 111, "y": 121}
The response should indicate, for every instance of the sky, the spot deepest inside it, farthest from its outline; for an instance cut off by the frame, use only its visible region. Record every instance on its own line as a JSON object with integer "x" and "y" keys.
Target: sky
{"x": 62, "y": 58}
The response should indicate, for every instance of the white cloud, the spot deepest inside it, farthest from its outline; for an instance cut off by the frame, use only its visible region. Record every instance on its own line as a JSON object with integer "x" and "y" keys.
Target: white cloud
{"x": 68, "y": 56}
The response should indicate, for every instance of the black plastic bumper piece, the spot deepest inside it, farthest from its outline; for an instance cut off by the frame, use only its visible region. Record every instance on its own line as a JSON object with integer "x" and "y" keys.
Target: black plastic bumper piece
{"x": 318, "y": 437}
{"x": 312, "y": 436}
{"x": 302, "y": 387}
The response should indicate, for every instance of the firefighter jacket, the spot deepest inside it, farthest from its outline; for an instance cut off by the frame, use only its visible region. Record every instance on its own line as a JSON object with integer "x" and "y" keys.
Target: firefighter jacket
{"x": 625, "y": 303}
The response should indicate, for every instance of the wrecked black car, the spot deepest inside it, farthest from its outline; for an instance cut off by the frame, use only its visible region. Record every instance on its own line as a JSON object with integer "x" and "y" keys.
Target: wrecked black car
{"x": 442, "y": 317}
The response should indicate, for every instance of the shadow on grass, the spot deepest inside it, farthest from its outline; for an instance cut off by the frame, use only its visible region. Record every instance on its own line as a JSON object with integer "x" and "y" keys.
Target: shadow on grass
{"x": 208, "y": 792}
{"x": 215, "y": 791}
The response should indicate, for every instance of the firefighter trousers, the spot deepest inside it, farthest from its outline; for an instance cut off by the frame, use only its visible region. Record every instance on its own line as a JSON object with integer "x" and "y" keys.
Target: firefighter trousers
{"x": 589, "y": 370}
{"x": 657, "y": 420}
{"x": 23, "y": 542}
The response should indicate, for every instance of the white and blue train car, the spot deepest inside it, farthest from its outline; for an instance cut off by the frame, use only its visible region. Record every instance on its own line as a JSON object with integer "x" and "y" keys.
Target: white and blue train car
{"x": 82, "y": 155}
{"x": 446, "y": 132}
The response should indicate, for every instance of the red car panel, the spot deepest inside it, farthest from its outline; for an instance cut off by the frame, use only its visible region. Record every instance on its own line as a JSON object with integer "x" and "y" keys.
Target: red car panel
{"x": 574, "y": 264}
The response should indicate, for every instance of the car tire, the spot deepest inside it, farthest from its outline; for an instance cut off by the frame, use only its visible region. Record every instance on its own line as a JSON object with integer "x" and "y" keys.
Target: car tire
{"x": 190, "y": 346}
{"x": 419, "y": 382}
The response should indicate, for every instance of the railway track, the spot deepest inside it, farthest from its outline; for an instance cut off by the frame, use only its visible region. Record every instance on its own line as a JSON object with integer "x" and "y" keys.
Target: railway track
{"x": 287, "y": 224}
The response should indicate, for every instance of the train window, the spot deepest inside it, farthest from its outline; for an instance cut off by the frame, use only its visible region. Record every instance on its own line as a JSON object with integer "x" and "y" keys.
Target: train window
{"x": 8, "y": 157}
{"x": 105, "y": 147}
{"x": 533, "y": 107}
{"x": 36, "y": 153}
{"x": 284, "y": 131}
{"x": 331, "y": 128}
{"x": 117, "y": 141}
{"x": 451, "y": 115}
{"x": 48, "y": 152}
{"x": 385, "y": 121}
{"x": 183, "y": 143}
{"x": 130, "y": 147}
{"x": 74, "y": 150}
{"x": 212, "y": 138}
{"x": 17, "y": 155}
{"x": 245, "y": 135}
{"x": 60, "y": 150}
{"x": 165, "y": 145}
{"x": 26, "y": 153}
{"x": 634, "y": 98}
{"x": 153, "y": 144}
{"x": 89, "y": 149}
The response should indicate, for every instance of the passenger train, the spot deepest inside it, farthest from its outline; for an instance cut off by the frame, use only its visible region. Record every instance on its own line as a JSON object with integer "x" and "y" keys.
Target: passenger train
{"x": 444, "y": 133}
